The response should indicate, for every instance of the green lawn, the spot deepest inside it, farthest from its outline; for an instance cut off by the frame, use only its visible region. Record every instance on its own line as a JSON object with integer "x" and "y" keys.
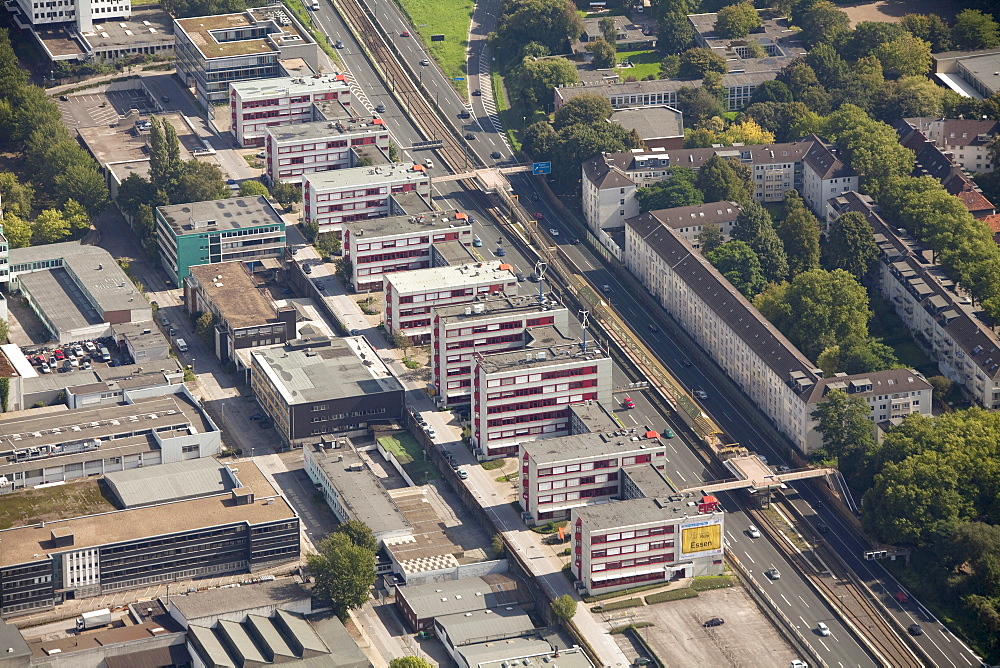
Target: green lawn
{"x": 50, "y": 503}
{"x": 409, "y": 454}
{"x": 450, "y": 18}
{"x": 644, "y": 63}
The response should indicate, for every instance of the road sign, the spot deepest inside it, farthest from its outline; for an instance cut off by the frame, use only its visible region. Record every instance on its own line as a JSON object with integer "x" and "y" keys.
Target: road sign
{"x": 437, "y": 38}
{"x": 539, "y": 168}
{"x": 458, "y": 78}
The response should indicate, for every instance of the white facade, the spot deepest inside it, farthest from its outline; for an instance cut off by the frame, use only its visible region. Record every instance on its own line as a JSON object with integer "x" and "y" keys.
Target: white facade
{"x": 400, "y": 243}
{"x": 411, "y": 296}
{"x": 968, "y": 142}
{"x": 560, "y": 474}
{"x": 487, "y": 326}
{"x": 319, "y": 146}
{"x": 523, "y": 395}
{"x": 255, "y": 106}
{"x": 84, "y": 13}
{"x": 330, "y": 199}
{"x": 632, "y": 543}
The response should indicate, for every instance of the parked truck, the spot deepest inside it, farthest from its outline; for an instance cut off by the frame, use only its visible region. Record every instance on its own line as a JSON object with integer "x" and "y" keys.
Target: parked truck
{"x": 93, "y": 619}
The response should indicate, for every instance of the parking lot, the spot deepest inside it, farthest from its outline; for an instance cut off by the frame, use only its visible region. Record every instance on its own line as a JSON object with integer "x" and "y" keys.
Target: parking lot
{"x": 679, "y": 638}
{"x": 92, "y": 109}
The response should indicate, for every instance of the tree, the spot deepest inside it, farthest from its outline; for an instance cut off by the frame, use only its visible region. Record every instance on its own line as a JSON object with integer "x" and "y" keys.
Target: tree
{"x": 675, "y": 33}
{"x": 497, "y": 546}
{"x": 200, "y": 182}
{"x": 410, "y": 662}
{"x": 50, "y": 227}
{"x": 669, "y": 66}
{"x": 805, "y": 86}
{"x": 857, "y": 356}
{"x": 580, "y": 142}
{"x": 904, "y": 56}
{"x": 550, "y": 23}
{"x": 165, "y": 165}
{"x": 754, "y": 226}
{"x": 817, "y": 309}
{"x": 737, "y": 21}
{"x": 603, "y": 52}
{"x": 929, "y": 27}
{"x": 737, "y": 262}
{"x": 360, "y": 534}
{"x": 253, "y": 187}
{"x": 698, "y": 104}
{"x": 538, "y": 138}
{"x": 83, "y": 183}
{"x": 771, "y": 91}
{"x": 17, "y": 230}
{"x": 941, "y": 385}
{"x": 799, "y": 234}
{"x": 676, "y": 189}
{"x": 697, "y": 61}
{"x": 746, "y": 132}
{"x": 850, "y": 245}
{"x": 76, "y": 217}
{"x": 344, "y": 572}
{"x": 848, "y": 433}
{"x": 588, "y": 108}
{"x": 912, "y": 96}
{"x": 822, "y": 22}
{"x": 710, "y": 238}
{"x": 328, "y": 244}
{"x": 564, "y": 607}
{"x": 830, "y": 68}
{"x": 402, "y": 341}
{"x": 867, "y": 37}
{"x": 720, "y": 182}
{"x": 975, "y": 30}
{"x": 205, "y": 326}
{"x": 286, "y": 193}
{"x": 133, "y": 192}
{"x": 18, "y": 198}
{"x": 608, "y": 29}
{"x": 533, "y": 80}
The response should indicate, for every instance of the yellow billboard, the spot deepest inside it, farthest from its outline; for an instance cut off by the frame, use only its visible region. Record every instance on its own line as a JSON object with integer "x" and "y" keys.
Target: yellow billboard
{"x": 701, "y": 538}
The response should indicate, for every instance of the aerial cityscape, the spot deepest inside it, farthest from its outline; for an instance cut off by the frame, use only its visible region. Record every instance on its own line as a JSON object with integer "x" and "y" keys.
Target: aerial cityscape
{"x": 416, "y": 333}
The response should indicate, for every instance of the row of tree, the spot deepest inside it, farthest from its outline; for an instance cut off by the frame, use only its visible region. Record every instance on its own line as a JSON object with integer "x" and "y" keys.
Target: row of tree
{"x": 65, "y": 188}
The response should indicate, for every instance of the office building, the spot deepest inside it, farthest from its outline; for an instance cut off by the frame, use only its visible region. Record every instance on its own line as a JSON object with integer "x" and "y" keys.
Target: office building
{"x": 482, "y": 626}
{"x": 248, "y": 229}
{"x": 352, "y": 490}
{"x": 332, "y": 198}
{"x": 77, "y": 291}
{"x": 245, "y": 314}
{"x": 215, "y": 51}
{"x": 765, "y": 365}
{"x": 947, "y": 325}
{"x": 410, "y": 296}
{"x": 379, "y": 246}
{"x": 559, "y": 474}
{"x": 658, "y": 127}
{"x": 245, "y": 527}
{"x": 255, "y": 106}
{"x": 420, "y": 605}
{"x": 54, "y": 445}
{"x": 487, "y": 325}
{"x": 780, "y": 42}
{"x": 141, "y": 343}
{"x": 626, "y": 544}
{"x": 523, "y": 395}
{"x": 319, "y": 146}
{"x": 324, "y": 387}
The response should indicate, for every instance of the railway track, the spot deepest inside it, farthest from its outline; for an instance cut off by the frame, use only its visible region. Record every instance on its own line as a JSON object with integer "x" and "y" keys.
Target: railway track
{"x": 453, "y": 152}
{"x": 859, "y": 612}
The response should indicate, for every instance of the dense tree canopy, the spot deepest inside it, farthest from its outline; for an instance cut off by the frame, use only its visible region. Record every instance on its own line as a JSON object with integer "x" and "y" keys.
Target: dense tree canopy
{"x": 740, "y": 265}
{"x": 552, "y": 23}
{"x": 754, "y": 226}
{"x": 344, "y": 572}
{"x": 588, "y": 109}
{"x": 677, "y": 189}
{"x": 735, "y": 21}
{"x": 603, "y": 52}
{"x": 533, "y": 80}
{"x": 697, "y": 61}
{"x": 850, "y": 245}
{"x": 975, "y": 30}
{"x": 799, "y": 234}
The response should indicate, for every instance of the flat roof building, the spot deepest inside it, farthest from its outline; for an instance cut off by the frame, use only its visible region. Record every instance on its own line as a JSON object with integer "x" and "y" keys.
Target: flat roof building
{"x": 77, "y": 291}
{"x": 214, "y": 51}
{"x": 352, "y": 490}
{"x": 410, "y": 296}
{"x": 42, "y": 446}
{"x": 481, "y": 626}
{"x": 255, "y": 106}
{"x": 245, "y": 314}
{"x": 379, "y": 246}
{"x": 780, "y": 42}
{"x": 523, "y": 395}
{"x": 658, "y": 126}
{"x": 248, "y": 229}
{"x": 487, "y": 325}
{"x": 324, "y": 387}
{"x": 249, "y": 528}
{"x": 319, "y": 146}
{"x": 420, "y": 605}
{"x": 515, "y": 651}
{"x": 208, "y": 606}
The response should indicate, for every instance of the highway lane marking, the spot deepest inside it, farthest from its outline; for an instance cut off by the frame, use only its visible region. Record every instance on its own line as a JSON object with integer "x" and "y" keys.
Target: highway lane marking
{"x": 789, "y": 604}
{"x": 632, "y": 417}
{"x": 804, "y": 622}
{"x": 682, "y": 476}
{"x": 674, "y": 449}
{"x": 732, "y": 538}
{"x": 827, "y": 647}
{"x": 804, "y": 601}
{"x": 749, "y": 557}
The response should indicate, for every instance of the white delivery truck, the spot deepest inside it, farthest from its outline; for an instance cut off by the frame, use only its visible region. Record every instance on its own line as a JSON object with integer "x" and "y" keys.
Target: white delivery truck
{"x": 93, "y": 619}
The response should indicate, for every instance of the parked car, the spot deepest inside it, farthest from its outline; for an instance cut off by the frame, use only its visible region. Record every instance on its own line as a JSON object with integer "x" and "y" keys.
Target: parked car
{"x": 59, "y": 354}
{"x": 44, "y": 367}
{"x": 257, "y": 417}
{"x": 355, "y": 332}
{"x": 715, "y": 621}
{"x": 454, "y": 465}
{"x": 462, "y": 475}
{"x": 307, "y": 268}
{"x": 431, "y": 434}
{"x": 90, "y": 346}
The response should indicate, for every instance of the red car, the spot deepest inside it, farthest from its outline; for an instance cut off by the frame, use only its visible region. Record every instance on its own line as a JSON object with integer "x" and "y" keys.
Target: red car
{"x": 539, "y": 216}
{"x": 405, "y": 33}
{"x": 628, "y": 403}
{"x": 59, "y": 354}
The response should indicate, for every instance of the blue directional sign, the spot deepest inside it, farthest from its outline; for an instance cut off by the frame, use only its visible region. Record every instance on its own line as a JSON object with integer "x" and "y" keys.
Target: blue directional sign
{"x": 459, "y": 78}
{"x": 539, "y": 168}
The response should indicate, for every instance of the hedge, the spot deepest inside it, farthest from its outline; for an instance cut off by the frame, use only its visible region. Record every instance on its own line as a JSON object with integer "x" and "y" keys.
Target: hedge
{"x": 672, "y": 595}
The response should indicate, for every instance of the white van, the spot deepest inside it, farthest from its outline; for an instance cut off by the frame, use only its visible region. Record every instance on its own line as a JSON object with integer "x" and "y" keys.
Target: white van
{"x": 315, "y": 5}
{"x": 181, "y": 345}
{"x": 105, "y": 354}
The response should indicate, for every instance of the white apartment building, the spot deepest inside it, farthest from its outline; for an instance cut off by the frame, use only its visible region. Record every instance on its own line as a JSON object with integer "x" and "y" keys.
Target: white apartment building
{"x": 411, "y": 296}
{"x": 485, "y": 326}
{"x": 772, "y": 372}
{"x": 690, "y": 221}
{"x": 967, "y": 141}
{"x": 294, "y": 150}
{"x": 524, "y": 394}
{"x": 560, "y": 474}
{"x": 82, "y": 13}
{"x": 941, "y": 316}
{"x": 380, "y": 246}
{"x": 624, "y": 544}
{"x": 611, "y": 179}
{"x": 330, "y": 199}
{"x": 255, "y": 106}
